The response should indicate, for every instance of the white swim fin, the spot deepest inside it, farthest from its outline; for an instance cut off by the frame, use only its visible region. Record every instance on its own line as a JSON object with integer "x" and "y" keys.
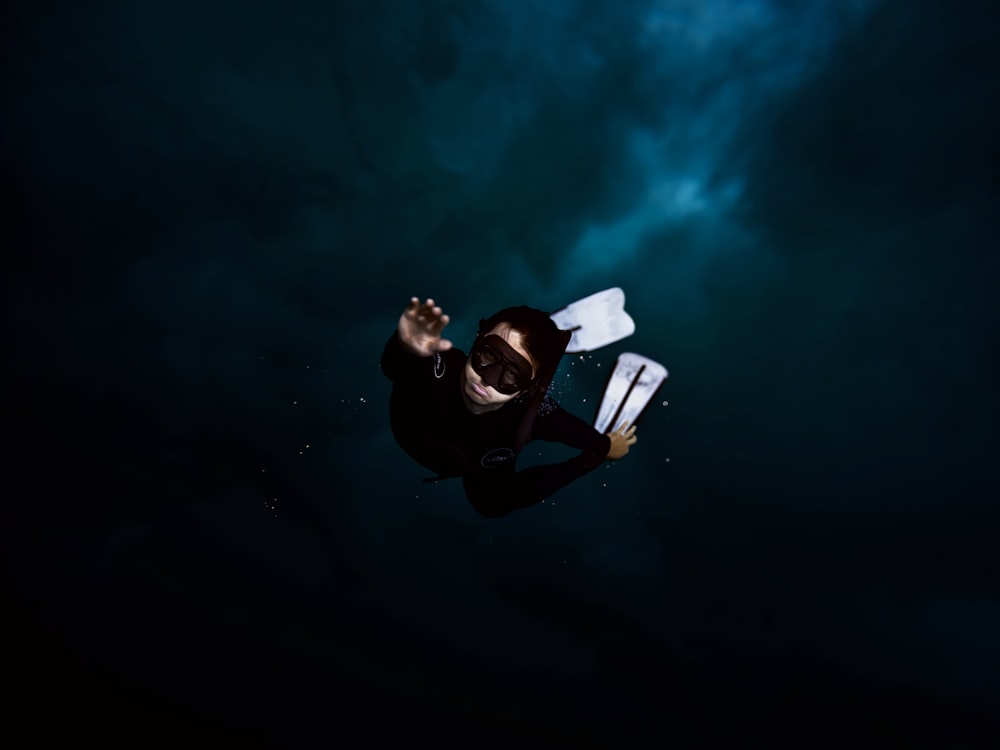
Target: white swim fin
{"x": 631, "y": 387}
{"x": 596, "y": 321}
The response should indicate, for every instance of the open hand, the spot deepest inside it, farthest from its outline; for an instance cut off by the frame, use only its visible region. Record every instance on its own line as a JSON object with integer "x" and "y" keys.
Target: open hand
{"x": 420, "y": 328}
{"x": 621, "y": 440}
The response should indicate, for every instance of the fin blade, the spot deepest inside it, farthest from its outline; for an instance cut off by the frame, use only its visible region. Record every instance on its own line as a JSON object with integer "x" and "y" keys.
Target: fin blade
{"x": 631, "y": 386}
{"x": 596, "y": 321}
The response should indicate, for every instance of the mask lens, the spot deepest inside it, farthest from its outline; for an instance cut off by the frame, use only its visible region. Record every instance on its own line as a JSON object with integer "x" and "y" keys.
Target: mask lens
{"x": 485, "y": 356}
{"x": 496, "y": 371}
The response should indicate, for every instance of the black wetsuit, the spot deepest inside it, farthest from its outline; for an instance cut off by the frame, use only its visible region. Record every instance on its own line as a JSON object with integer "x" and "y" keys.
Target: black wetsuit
{"x": 432, "y": 423}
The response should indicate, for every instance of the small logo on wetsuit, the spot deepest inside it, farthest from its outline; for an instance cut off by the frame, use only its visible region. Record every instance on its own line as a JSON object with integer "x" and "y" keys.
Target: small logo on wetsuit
{"x": 496, "y": 457}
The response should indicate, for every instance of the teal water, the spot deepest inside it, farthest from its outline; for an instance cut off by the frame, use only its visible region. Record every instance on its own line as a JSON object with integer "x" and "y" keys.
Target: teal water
{"x": 219, "y": 213}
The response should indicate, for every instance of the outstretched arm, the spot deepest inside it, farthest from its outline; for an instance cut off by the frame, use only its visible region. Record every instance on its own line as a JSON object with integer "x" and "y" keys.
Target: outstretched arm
{"x": 420, "y": 328}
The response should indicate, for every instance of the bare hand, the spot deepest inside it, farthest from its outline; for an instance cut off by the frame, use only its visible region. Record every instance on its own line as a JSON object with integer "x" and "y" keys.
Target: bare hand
{"x": 420, "y": 328}
{"x": 621, "y": 440}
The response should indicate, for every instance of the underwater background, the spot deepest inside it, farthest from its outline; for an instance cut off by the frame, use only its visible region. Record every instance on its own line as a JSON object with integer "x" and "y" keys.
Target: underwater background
{"x": 216, "y": 213}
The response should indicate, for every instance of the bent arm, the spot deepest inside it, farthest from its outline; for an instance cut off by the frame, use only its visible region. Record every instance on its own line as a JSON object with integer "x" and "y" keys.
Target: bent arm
{"x": 560, "y": 426}
{"x": 496, "y": 493}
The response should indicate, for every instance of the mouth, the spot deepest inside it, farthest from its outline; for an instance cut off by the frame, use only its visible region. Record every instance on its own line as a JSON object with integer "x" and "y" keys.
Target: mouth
{"x": 479, "y": 390}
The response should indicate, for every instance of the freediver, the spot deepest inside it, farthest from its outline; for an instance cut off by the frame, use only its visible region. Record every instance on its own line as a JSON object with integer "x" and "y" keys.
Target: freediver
{"x": 470, "y": 416}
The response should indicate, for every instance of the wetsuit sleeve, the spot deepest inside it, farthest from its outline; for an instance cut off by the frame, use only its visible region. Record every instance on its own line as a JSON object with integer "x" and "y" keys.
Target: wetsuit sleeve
{"x": 497, "y": 493}
{"x": 398, "y": 363}
{"x": 559, "y": 426}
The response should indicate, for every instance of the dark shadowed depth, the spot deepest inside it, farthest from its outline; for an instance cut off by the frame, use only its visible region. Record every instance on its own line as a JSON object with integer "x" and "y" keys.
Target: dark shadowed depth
{"x": 216, "y": 213}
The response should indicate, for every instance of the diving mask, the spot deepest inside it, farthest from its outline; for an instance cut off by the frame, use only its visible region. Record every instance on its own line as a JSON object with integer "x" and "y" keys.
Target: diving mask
{"x": 499, "y": 365}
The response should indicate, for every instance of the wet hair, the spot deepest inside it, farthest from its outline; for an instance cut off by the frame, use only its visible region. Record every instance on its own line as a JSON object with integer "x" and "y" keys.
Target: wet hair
{"x": 542, "y": 337}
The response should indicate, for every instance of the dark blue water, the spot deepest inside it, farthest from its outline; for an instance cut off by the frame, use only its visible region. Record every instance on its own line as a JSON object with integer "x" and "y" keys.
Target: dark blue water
{"x": 219, "y": 211}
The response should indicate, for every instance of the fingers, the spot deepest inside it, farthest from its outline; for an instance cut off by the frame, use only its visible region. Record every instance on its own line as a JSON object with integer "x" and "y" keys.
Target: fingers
{"x": 625, "y": 430}
{"x": 441, "y": 322}
{"x": 428, "y": 315}
{"x": 627, "y": 433}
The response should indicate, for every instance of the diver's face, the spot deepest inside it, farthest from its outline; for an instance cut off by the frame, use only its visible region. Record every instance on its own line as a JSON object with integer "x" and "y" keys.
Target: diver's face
{"x": 479, "y": 395}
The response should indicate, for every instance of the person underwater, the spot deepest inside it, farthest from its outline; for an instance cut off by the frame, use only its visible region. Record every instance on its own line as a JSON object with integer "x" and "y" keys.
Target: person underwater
{"x": 469, "y": 416}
